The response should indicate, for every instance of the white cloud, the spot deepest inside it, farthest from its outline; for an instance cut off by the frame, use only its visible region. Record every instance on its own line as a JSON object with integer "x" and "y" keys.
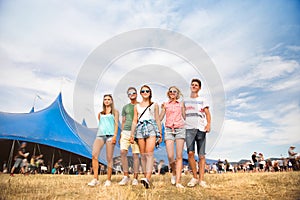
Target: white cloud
{"x": 285, "y": 119}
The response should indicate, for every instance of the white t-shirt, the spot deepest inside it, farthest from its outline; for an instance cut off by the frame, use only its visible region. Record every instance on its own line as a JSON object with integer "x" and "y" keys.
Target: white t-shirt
{"x": 195, "y": 115}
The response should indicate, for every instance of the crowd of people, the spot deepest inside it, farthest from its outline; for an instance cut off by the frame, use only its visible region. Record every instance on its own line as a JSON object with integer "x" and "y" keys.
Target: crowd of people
{"x": 187, "y": 121}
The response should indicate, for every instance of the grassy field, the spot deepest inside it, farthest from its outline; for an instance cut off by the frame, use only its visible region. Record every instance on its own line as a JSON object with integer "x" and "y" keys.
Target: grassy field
{"x": 285, "y": 185}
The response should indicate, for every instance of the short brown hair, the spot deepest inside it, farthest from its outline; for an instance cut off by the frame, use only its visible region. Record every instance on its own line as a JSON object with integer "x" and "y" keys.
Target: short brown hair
{"x": 196, "y": 80}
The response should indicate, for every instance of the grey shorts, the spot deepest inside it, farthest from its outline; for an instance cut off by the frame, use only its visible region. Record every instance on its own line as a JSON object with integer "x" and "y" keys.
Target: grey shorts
{"x": 179, "y": 133}
{"x": 19, "y": 163}
{"x": 195, "y": 136}
{"x": 105, "y": 138}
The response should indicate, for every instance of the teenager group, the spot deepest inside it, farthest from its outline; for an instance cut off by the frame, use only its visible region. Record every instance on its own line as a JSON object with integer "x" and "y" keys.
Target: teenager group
{"x": 186, "y": 121}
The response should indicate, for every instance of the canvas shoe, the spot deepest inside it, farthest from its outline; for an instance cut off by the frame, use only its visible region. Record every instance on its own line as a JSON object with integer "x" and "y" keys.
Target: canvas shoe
{"x": 93, "y": 183}
{"x": 145, "y": 182}
{"x": 107, "y": 183}
{"x": 124, "y": 180}
{"x": 178, "y": 185}
{"x": 203, "y": 184}
{"x": 192, "y": 182}
{"x": 173, "y": 180}
{"x": 135, "y": 182}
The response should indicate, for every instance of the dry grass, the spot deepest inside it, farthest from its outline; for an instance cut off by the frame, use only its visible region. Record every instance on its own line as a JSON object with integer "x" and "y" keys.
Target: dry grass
{"x": 283, "y": 185}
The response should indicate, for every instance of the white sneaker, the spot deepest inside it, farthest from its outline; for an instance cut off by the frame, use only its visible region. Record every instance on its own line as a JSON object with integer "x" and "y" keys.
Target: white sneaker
{"x": 135, "y": 182}
{"x": 93, "y": 183}
{"x": 124, "y": 180}
{"x": 107, "y": 183}
{"x": 203, "y": 184}
{"x": 178, "y": 185}
{"x": 173, "y": 180}
{"x": 145, "y": 182}
{"x": 192, "y": 182}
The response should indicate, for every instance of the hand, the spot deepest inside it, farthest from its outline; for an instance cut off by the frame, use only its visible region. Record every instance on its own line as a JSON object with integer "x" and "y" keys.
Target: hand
{"x": 207, "y": 128}
{"x": 113, "y": 140}
{"x": 131, "y": 139}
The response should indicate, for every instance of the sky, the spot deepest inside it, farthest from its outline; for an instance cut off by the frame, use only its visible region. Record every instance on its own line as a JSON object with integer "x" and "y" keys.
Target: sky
{"x": 254, "y": 46}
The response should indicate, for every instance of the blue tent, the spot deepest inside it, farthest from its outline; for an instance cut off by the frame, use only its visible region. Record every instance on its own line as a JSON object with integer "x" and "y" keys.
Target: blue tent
{"x": 51, "y": 126}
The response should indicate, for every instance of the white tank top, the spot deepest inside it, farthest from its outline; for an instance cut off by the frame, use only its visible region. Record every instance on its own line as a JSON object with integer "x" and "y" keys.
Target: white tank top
{"x": 148, "y": 114}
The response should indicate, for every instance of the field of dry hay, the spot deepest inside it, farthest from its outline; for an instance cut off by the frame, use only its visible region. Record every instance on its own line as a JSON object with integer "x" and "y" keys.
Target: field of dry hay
{"x": 285, "y": 185}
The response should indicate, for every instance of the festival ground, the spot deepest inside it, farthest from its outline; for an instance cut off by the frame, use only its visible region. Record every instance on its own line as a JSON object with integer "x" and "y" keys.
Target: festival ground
{"x": 269, "y": 185}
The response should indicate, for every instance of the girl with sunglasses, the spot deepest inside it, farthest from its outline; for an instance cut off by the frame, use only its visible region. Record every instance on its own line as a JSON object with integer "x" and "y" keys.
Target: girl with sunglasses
{"x": 145, "y": 128}
{"x": 174, "y": 131}
{"x": 106, "y": 134}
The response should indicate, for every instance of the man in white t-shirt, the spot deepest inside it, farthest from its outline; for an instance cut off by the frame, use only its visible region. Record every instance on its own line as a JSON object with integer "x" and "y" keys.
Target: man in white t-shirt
{"x": 197, "y": 124}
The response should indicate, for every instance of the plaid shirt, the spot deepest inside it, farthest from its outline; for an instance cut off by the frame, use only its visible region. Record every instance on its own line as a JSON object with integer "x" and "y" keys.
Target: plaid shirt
{"x": 146, "y": 126}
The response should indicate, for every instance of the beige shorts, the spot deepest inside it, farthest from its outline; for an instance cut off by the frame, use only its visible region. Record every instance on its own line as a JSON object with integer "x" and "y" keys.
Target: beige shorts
{"x": 125, "y": 142}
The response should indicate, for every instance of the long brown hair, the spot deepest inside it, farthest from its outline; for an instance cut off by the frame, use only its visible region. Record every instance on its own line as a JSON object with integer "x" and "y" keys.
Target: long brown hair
{"x": 103, "y": 112}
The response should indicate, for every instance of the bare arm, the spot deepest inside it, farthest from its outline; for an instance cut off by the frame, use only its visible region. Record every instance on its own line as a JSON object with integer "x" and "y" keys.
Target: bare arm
{"x": 162, "y": 112}
{"x": 183, "y": 110}
{"x": 116, "y": 116}
{"x": 157, "y": 119}
{"x": 134, "y": 122}
{"x": 123, "y": 122}
{"x": 208, "y": 118}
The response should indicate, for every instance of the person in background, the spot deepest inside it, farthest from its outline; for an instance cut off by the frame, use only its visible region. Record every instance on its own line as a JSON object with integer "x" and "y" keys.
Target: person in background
{"x": 146, "y": 128}
{"x": 174, "y": 132}
{"x": 262, "y": 162}
{"x": 197, "y": 123}
{"x": 292, "y": 157}
{"x": 19, "y": 159}
{"x": 254, "y": 161}
{"x": 58, "y": 167}
{"x": 127, "y": 117}
{"x": 106, "y": 134}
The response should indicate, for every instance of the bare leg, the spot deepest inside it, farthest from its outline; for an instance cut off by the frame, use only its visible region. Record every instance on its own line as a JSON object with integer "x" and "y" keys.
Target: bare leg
{"x": 192, "y": 163}
{"x": 124, "y": 162}
{"x": 179, "y": 148}
{"x": 201, "y": 167}
{"x": 136, "y": 165}
{"x": 142, "y": 146}
{"x": 109, "y": 157}
{"x": 170, "y": 152}
{"x": 149, "y": 150}
{"x": 98, "y": 144}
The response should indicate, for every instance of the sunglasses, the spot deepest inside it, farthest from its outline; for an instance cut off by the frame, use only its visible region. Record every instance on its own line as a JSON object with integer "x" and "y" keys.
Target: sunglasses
{"x": 145, "y": 91}
{"x": 131, "y": 93}
{"x": 173, "y": 91}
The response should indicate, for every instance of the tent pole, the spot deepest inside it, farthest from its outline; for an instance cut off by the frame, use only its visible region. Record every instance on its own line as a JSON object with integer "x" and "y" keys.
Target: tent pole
{"x": 52, "y": 163}
{"x": 11, "y": 156}
{"x": 69, "y": 163}
{"x": 34, "y": 150}
{"x": 39, "y": 149}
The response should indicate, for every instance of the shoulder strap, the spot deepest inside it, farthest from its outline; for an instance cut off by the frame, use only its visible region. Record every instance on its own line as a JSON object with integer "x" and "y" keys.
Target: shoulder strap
{"x": 145, "y": 110}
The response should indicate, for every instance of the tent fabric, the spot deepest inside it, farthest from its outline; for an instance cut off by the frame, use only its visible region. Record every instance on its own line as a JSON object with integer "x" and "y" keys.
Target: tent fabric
{"x": 51, "y": 126}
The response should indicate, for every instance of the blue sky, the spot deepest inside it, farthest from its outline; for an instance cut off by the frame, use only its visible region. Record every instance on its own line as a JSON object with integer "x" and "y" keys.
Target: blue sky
{"x": 254, "y": 45}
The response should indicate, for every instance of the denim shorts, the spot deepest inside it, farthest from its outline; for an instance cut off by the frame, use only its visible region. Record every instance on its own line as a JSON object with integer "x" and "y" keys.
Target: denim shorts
{"x": 195, "y": 136}
{"x": 151, "y": 131}
{"x": 105, "y": 138}
{"x": 179, "y": 133}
